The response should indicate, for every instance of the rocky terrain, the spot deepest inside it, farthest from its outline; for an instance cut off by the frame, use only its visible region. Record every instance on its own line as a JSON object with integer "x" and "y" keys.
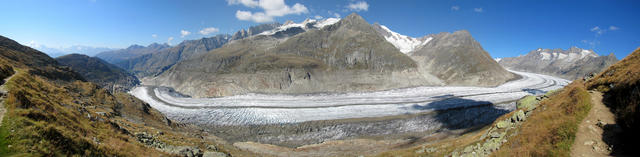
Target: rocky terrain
{"x": 100, "y": 72}
{"x": 569, "y": 64}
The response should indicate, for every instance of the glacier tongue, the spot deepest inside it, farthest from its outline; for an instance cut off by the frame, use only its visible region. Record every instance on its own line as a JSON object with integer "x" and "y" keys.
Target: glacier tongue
{"x": 404, "y": 43}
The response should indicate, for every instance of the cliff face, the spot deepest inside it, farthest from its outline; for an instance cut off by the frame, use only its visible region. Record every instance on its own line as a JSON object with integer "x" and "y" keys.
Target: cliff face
{"x": 346, "y": 56}
{"x": 569, "y": 64}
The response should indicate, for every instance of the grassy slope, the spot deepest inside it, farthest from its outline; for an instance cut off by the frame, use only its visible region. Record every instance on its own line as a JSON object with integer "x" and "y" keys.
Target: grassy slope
{"x": 550, "y": 131}
{"x": 44, "y": 119}
{"x": 620, "y": 84}
{"x": 52, "y": 111}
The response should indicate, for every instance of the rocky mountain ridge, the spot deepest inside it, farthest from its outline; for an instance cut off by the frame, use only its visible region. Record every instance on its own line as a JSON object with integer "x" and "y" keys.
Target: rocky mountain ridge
{"x": 570, "y": 64}
{"x": 324, "y": 56}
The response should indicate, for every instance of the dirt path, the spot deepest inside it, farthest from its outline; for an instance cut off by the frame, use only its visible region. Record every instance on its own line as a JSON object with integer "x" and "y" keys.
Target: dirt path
{"x": 3, "y": 93}
{"x": 589, "y": 138}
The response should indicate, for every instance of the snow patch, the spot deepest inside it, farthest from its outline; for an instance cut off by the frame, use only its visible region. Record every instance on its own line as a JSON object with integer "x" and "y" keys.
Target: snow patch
{"x": 326, "y": 22}
{"x": 404, "y": 43}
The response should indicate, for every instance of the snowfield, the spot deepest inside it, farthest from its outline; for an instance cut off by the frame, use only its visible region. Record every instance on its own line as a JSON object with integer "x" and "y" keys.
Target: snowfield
{"x": 274, "y": 109}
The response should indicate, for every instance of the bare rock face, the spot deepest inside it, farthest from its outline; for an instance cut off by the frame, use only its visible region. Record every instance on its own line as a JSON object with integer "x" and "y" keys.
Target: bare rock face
{"x": 569, "y": 64}
{"x": 346, "y": 56}
{"x": 458, "y": 59}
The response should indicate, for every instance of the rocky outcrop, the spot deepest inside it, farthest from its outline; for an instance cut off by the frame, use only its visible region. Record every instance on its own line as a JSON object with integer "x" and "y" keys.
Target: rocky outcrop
{"x": 502, "y": 129}
{"x": 187, "y": 151}
{"x": 254, "y": 30}
{"x": 570, "y": 64}
{"x": 100, "y": 72}
{"x": 346, "y": 56}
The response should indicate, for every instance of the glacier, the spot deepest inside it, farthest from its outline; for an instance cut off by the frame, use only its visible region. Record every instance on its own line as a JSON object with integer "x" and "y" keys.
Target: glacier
{"x": 255, "y": 109}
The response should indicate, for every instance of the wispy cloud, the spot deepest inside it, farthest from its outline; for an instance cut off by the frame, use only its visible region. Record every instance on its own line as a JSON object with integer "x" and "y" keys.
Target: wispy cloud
{"x": 455, "y": 8}
{"x": 169, "y": 40}
{"x": 154, "y": 35}
{"x": 479, "y": 10}
{"x": 613, "y": 28}
{"x": 358, "y": 6}
{"x": 209, "y": 30}
{"x": 184, "y": 33}
{"x": 317, "y": 17}
{"x": 597, "y": 30}
{"x": 271, "y": 9}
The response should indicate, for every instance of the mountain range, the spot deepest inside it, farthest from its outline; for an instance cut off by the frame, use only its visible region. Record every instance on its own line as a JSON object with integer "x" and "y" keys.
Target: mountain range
{"x": 571, "y": 64}
{"x": 332, "y": 55}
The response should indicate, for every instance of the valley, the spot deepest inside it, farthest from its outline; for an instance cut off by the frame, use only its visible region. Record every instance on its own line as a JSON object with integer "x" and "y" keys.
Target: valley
{"x": 295, "y": 120}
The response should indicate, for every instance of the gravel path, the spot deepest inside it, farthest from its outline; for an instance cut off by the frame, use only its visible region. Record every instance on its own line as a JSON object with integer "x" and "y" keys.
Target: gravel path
{"x": 590, "y": 138}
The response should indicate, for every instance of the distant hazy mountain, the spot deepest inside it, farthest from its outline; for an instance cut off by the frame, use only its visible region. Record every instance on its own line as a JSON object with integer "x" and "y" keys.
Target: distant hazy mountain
{"x": 117, "y": 56}
{"x": 569, "y": 64}
{"x": 100, "y": 72}
{"x": 79, "y": 49}
{"x": 308, "y": 57}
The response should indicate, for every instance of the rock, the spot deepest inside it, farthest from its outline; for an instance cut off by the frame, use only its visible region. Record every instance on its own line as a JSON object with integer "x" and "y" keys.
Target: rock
{"x": 588, "y": 143}
{"x": 212, "y": 148}
{"x": 468, "y": 149}
{"x": 520, "y": 115}
{"x": 502, "y": 124}
{"x": 601, "y": 124}
{"x": 527, "y": 103}
{"x": 495, "y": 135}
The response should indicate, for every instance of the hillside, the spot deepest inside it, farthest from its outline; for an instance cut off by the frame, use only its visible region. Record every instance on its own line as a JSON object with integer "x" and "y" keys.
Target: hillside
{"x": 569, "y": 64}
{"x": 52, "y": 111}
{"x": 620, "y": 84}
{"x": 100, "y": 72}
{"x": 346, "y": 56}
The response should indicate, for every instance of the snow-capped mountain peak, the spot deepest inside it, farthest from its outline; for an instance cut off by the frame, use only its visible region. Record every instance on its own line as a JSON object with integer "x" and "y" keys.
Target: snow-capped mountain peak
{"x": 404, "y": 43}
{"x": 303, "y": 25}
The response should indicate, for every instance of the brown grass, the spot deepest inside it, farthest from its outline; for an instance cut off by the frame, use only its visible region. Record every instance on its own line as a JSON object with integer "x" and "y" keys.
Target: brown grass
{"x": 620, "y": 84}
{"x": 550, "y": 131}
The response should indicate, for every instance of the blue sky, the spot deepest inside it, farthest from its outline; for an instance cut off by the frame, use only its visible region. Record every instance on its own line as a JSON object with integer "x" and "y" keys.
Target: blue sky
{"x": 503, "y": 27}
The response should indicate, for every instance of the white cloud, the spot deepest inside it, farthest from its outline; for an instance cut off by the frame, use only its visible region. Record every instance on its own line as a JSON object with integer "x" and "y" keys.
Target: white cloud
{"x": 184, "y": 33}
{"x": 478, "y": 10}
{"x": 613, "y": 28}
{"x": 317, "y": 17}
{"x": 169, "y": 40}
{"x": 358, "y": 6}
{"x": 271, "y": 8}
{"x": 209, "y": 30}
{"x": 597, "y": 30}
{"x": 154, "y": 35}
{"x": 455, "y": 8}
